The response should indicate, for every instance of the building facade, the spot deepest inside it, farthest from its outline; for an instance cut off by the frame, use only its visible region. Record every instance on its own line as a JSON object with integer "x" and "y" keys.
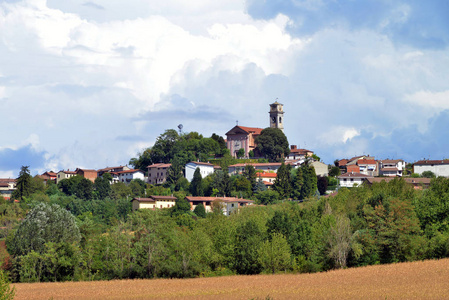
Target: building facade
{"x": 205, "y": 169}
{"x": 153, "y": 202}
{"x": 241, "y": 137}
{"x": 157, "y": 173}
{"x": 438, "y": 167}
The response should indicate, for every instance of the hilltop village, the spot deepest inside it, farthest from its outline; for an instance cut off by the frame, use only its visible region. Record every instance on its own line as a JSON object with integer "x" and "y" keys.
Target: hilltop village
{"x": 252, "y": 153}
{"x": 249, "y": 203}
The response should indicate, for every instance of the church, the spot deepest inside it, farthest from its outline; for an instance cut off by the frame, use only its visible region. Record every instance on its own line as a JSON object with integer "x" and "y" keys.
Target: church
{"x": 241, "y": 137}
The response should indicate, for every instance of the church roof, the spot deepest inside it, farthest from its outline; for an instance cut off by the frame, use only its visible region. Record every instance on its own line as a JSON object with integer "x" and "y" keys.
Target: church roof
{"x": 248, "y": 130}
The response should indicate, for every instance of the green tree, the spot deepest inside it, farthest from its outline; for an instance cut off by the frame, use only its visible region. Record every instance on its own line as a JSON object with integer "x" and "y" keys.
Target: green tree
{"x": 84, "y": 189}
{"x": 309, "y": 186}
{"x": 200, "y": 211}
{"x": 6, "y": 292}
{"x": 120, "y": 190}
{"x": 322, "y": 184}
{"x": 273, "y": 144}
{"x": 298, "y": 181}
{"x": 23, "y": 184}
{"x": 44, "y": 223}
{"x": 282, "y": 183}
{"x": 142, "y": 161}
{"x": 334, "y": 171}
{"x": 250, "y": 173}
{"x": 103, "y": 187}
{"x": 274, "y": 254}
{"x": 196, "y": 187}
{"x": 240, "y": 153}
{"x": 267, "y": 197}
{"x": 428, "y": 174}
{"x": 248, "y": 241}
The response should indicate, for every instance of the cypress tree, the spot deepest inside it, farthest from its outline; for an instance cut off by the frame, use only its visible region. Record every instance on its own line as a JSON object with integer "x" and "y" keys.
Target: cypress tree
{"x": 196, "y": 186}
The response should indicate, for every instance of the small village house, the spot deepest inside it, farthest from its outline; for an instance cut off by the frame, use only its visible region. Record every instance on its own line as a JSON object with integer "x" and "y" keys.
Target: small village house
{"x": 157, "y": 173}
{"x": 205, "y": 169}
{"x": 153, "y": 202}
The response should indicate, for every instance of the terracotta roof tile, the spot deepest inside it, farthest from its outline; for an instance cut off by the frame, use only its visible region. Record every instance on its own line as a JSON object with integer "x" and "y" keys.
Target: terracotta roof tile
{"x": 432, "y": 162}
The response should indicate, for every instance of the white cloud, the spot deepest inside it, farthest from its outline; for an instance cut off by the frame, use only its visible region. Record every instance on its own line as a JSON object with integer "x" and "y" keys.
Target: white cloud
{"x": 429, "y": 99}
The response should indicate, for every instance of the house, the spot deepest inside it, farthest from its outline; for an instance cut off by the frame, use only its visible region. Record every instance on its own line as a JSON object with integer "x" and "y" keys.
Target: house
{"x": 86, "y": 173}
{"x": 298, "y": 154}
{"x": 7, "y": 187}
{"x": 48, "y": 176}
{"x": 368, "y": 166}
{"x": 205, "y": 169}
{"x": 392, "y": 167}
{"x": 153, "y": 202}
{"x": 241, "y": 137}
{"x": 64, "y": 175}
{"x": 128, "y": 175}
{"x": 266, "y": 167}
{"x": 321, "y": 169}
{"x": 112, "y": 170}
{"x": 438, "y": 167}
{"x": 157, "y": 173}
{"x": 417, "y": 183}
{"x": 228, "y": 204}
{"x": 351, "y": 179}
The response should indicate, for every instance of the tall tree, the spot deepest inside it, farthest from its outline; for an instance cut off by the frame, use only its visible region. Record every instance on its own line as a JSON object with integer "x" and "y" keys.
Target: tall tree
{"x": 250, "y": 173}
{"x": 44, "y": 223}
{"x": 273, "y": 144}
{"x": 196, "y": 187}
{"x": 103, "y": 187}
{"x": 23, "y": 184}
{"x": 309, "y": 186}
{"x": 298, "y": 181}
{"x": 282, "y": 183}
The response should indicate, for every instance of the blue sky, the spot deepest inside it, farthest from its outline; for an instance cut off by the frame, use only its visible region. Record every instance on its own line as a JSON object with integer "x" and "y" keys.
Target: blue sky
{"x": 91, "y": 83}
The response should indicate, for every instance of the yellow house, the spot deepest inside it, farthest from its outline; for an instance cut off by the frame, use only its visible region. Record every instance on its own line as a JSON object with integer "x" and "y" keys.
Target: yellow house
{"x": 153, "y": 202}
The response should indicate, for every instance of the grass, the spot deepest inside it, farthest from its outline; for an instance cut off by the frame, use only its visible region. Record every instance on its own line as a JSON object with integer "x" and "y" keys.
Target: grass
{"x": 415, "y": 280}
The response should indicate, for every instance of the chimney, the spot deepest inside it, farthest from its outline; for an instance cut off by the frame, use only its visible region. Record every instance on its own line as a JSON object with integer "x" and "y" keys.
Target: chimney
{"x": 293, "y": 147}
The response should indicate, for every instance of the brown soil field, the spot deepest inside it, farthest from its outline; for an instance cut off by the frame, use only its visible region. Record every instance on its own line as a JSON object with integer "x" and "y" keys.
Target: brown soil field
{"x": 416, "y": 280}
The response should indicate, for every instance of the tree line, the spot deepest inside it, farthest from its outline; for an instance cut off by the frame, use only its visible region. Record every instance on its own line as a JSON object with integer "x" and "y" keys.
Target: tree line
{"x": 383, "y": 223}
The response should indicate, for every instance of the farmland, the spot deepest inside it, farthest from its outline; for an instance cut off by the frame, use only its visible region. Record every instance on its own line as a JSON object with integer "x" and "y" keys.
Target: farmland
{"x": 414, "y": 280}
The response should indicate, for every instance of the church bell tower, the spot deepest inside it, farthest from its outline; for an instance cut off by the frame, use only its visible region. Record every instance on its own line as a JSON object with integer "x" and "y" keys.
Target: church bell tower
{"x": 277, "y": 116}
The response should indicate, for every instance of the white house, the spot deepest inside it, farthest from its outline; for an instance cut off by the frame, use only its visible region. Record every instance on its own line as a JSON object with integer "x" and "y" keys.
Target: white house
{"x": 392, "y": 167}
{"x": 438, "y": 167}
{"x": 128, "y": 175}
{"x": 351, "y": 179}
{"x": 205, "y": 169}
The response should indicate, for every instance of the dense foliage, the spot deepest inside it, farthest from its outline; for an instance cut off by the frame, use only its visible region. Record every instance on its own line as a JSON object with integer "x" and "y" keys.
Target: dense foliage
{"x": 382, "y": 223}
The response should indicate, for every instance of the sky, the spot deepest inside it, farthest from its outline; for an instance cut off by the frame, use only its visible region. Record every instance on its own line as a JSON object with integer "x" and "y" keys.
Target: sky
{"x": 90, "y": 84}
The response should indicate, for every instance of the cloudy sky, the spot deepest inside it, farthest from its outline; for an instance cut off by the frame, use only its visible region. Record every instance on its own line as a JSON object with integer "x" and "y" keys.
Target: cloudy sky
{"x": 91, "y": 83}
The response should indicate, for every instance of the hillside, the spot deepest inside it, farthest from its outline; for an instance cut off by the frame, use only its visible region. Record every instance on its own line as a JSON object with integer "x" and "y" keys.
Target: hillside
{"x": 415, "y": 280}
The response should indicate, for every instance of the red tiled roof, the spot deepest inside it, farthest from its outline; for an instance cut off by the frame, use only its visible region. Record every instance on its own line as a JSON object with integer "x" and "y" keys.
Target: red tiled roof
{"x": 300, "y": 151}
{"x": 130, "y": 171}
{"x": 50, "y": 173}
{"x": 391, "y": 161}
{"x": 342, "y": 162}
{"x": 267, "y": 183}
{"x": 254, "y": 130}
{"x": 353, "y": 175}
{"x": 366, "y": 162}
{"x": 161, "y": 165}
{"x": 7, "y": 180}
{"x": 432, "y": 162}
{"x": 267, "y": 175}
{"x": 68, "y": 172}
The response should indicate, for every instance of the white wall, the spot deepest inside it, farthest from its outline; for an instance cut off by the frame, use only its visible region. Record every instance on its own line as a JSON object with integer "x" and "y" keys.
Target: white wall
{"x": 439, "y": 170}
{"x": 204, "y": 170}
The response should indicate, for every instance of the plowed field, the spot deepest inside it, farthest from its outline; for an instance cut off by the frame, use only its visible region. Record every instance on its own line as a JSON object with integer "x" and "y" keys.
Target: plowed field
{"x": 417, "y": 280}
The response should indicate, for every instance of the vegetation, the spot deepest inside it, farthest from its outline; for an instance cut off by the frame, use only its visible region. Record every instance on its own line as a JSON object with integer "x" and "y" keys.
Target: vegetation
{"x": 273, "y": 144}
